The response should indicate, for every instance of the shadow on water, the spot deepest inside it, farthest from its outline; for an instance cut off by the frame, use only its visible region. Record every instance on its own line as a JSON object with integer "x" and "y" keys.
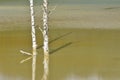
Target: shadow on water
{"x": 61, "y": 47}
{"x": 60, "y": 37}
{"x": 57, "y": 38}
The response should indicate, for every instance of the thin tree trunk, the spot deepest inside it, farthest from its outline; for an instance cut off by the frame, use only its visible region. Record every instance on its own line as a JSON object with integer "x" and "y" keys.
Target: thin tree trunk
{"x": 34, "y": 45}
{"x": 46, "y": 40}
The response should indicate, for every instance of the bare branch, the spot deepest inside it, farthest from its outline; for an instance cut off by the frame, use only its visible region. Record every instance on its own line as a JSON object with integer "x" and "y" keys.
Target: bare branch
{"x": 23, "y": 52}
{"x": 24, "y": 60}
{"x": 41, "y": 29}
{"x": 54, "y": 8}
{"x": 50, "y": 12}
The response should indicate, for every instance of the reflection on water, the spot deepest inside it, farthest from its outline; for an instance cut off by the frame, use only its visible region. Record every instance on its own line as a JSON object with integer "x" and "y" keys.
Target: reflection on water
{"x": 91, "y": 55}
{"x": 7, "y": 77}
{"x": 78, "y": 77}
{"x": 72, "y": 77}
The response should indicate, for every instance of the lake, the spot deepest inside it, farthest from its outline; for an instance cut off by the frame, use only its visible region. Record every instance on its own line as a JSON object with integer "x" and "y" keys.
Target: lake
{"x": 84, "y": 43}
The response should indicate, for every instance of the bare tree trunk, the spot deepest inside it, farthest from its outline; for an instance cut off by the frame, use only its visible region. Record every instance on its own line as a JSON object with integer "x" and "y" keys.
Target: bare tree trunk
{"x": 46, "y": 40}
{"x": 34, "y": 45}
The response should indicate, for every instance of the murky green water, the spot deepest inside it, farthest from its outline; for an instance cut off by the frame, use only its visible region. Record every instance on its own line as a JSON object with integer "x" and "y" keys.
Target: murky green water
{"x": 84, "y": 43}
{"x": 76, "y": 54}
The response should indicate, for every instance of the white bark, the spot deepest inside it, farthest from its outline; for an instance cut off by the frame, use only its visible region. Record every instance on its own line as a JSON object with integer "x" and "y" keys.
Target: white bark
{"x": 34, "y": 45}
{"x": 46, "y": 40}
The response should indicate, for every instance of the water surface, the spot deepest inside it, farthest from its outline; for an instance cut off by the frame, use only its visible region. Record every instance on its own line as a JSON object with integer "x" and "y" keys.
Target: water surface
{"x": 84, "y": 42}
{"x": 79, "y": 54}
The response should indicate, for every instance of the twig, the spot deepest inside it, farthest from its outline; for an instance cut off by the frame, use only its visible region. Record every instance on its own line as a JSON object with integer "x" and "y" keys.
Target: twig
{"x": 41, "y": 30}
{"x": 23, "y": 52}
{"x": 50, "y": 12}
{"x": 25, "y": 59}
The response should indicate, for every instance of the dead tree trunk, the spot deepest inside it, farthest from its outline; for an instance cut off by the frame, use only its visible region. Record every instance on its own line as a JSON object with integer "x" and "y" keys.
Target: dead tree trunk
{"x": 46, "y": 40}
{"x": 34, "y": 45}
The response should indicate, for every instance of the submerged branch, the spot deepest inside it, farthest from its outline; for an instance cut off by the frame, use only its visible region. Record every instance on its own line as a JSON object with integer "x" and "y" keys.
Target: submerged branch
{"x": 25, "y": 59}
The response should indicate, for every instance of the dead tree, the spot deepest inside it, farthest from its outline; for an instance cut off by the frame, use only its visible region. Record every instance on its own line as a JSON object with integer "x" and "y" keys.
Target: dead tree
{"x": 34, "y": 45}
{"x": 44, "y": 31}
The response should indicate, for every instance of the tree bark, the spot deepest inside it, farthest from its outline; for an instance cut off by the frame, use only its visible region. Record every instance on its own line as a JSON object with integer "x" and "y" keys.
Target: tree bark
{"x": 46, "y": 40}
{"x": 34, "y": 45}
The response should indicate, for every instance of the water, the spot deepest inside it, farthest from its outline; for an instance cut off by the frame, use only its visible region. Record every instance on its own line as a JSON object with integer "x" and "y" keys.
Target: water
{"x": 79, "y": 54}
{"x": 71, "y": 2}
{"x": 84, "y": 44}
